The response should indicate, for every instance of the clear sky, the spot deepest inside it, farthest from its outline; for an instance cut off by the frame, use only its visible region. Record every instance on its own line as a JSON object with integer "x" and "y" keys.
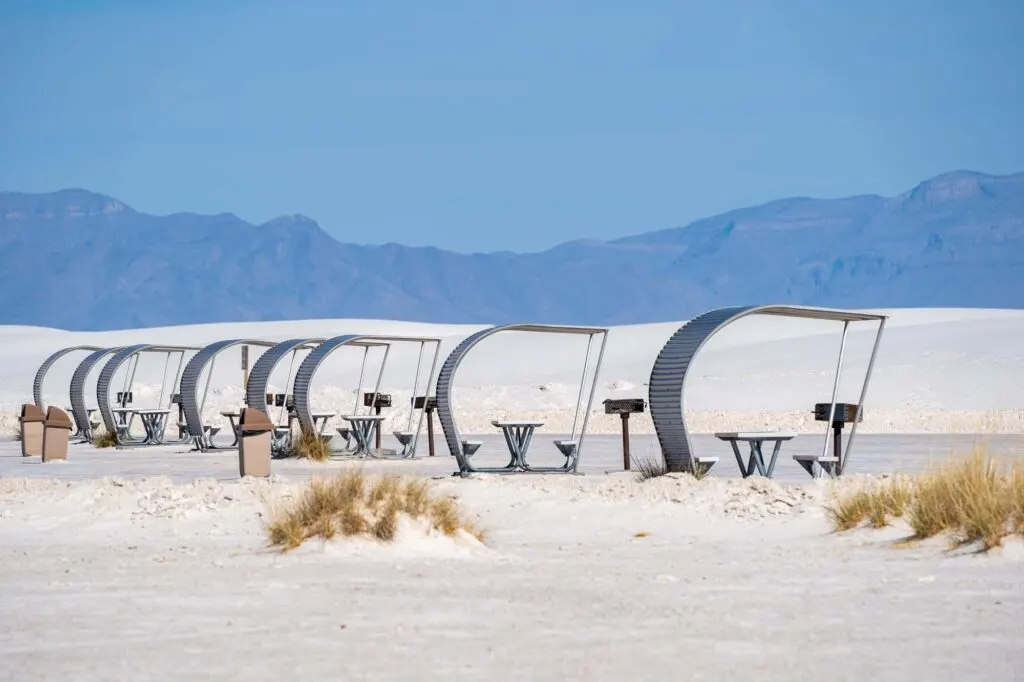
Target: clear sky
{"x": 477, "y": 126}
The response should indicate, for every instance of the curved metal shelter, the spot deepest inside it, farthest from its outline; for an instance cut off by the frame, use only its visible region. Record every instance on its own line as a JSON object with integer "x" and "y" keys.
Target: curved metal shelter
{"x": 259, "y": 377}
{"x": 668, "y": 376}
{"x": 572, "y": 447}
{"x": 191, "y": 404}
{"x": 79, "y": 409}
{"x": 37, "y": 383}
{"x": 304, "y": 376}
{"x": 130, "y": 355}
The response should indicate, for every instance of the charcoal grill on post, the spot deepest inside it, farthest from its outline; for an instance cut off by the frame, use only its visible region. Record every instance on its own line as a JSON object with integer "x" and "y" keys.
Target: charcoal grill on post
{"x": 625, "y": 407}
{"x": 427, "y": 404}
{"x": 845, "y": 413}
{"x": 382, "y": 400}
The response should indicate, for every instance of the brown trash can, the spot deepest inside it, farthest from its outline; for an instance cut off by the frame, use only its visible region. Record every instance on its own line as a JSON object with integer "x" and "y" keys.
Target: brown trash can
{"x": 31, "y": 422}
{"x": 255, "y": 433}
{"x": 57, "y": 429}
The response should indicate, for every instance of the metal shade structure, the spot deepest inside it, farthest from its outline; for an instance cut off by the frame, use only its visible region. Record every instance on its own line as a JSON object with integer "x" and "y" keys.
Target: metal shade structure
{"x": 37, "y": 383}
{"x": 304, "y": 375}
{"x": 446, "y": 379}
{"x": 191, "y": 403}
{"x": 79, "y": 408}
{"x": 259, "y": 377}
{"x": 668, "y": 376}
{"x": 130, "y": 355}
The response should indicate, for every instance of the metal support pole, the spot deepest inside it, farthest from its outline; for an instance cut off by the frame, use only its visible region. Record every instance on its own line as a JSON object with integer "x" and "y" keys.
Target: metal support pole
{"x": 177, "y": 380}
{"x": 376, "y": 390}
{"x": 590, "y": 400}
{"x": 131, "y": 379}
{"x": 163, "y": 381}
{"x": 625, "y": 441}
{"x": 359, "y": 386}
{"x": 426, "y": 391}
{"x": 864, "y": 391}
{"x": 416, "y": 385}
{"x": 583, "y": 384}
{"x": 835, "y": 389}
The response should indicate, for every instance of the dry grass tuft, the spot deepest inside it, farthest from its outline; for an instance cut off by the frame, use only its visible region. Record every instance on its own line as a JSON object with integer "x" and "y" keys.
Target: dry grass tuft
{"x": 889, "y": 500}
{"x": 309, "y": 445}
{"x": 849, "y": 511}
{"x": 350, "y": 505}
{"x": 973, "y": 500}
{"x": 105, "y": 439}
{"x": 653, "y": 466}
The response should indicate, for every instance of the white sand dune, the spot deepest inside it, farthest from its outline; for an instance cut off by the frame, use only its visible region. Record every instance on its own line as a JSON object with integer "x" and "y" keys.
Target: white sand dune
{"x": 939, "y": 371}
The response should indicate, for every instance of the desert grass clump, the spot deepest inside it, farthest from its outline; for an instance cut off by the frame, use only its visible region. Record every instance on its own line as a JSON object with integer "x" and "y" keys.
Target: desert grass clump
{"x": 888, "y": 501}
{"x": 972, "y": 501}
{"x": 849, "y": 511}
{"x": 648, "y": 467}
{"x": 309, "y": 445}
{"x": 653, "y": 466}
{"x": 350, "y": 504}
{"x": 105, "y": 439}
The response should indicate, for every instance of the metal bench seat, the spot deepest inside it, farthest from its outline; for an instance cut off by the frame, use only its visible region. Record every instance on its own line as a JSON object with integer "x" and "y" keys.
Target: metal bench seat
{"x": 815, "y": 465}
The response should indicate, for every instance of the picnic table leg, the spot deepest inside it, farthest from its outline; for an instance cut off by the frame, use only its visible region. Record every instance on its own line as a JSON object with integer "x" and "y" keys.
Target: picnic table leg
{"x": 775, "y": 456}
{"x": 739, "y": 459}
{"x": 756, "y": 458}
{"x": 526, "y": 445}
{"x": 513, "y": 448}
{"x": 234, "y": 430}
{"x": 161, "y": 425}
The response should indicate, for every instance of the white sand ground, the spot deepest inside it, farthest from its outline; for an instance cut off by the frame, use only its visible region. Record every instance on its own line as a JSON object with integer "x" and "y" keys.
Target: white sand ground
{"x": 939, "y": 371}
{"x": 151, "y": 564}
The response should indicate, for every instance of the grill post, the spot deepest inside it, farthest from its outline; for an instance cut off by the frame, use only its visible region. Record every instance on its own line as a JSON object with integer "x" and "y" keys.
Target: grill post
{"x": 624, "y": 407}
{"x": 625, "y": 441}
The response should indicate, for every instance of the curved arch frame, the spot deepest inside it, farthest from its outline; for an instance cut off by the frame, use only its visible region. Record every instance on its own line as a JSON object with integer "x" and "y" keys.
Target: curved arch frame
{"x": 191, "y": 405}
{"x": 120, "y": 357}
{"x": 312, "y": 362}
{"x": 80, "y": 411}
{"x": 37, "y": 383}
{"x": 446, "y": 378}
{"x": 667, "y": 384}
{"x": 259, "y": 377}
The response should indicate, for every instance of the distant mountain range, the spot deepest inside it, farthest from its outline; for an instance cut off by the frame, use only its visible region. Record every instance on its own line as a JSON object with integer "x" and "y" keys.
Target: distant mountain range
{"x": 77, "y": 260}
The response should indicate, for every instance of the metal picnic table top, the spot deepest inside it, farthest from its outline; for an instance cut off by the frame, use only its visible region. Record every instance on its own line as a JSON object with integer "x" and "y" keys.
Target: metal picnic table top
{"x": 756, "y": 459}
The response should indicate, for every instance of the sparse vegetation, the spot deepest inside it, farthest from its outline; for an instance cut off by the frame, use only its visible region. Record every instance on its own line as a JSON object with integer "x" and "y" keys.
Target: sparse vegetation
{"x": 310, "y": 445}
{"x": 877, "y": 505}
{"x": 650, "y": 466}
{"x": 974, "y": 501}
{"x": 105, "y": 439}
{"x": 352, "y": 505}
{"x": 653, "y": 466}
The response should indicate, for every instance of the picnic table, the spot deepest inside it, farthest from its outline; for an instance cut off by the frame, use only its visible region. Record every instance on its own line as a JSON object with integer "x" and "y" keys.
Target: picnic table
{"x": 756, "y": 439}
{"x": 232, "y": 416}
{"x": 518, "y": 435}
{"x": 364, "y": 427}
{"x": 153, "y": 421}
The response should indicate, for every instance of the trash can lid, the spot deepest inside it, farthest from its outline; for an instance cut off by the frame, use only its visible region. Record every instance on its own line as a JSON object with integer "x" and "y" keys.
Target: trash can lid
{"x": 254, "y": 421}
{"x": 31, "y": 413}
{"x": 58, "y": 418}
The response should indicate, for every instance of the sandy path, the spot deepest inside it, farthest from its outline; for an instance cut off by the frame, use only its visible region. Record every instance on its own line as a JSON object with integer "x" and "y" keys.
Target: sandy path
{"x": 737, "y": 580}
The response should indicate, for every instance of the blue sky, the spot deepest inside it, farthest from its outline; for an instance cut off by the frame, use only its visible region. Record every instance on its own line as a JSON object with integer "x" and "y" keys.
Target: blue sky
{"x": 479, "y": 126}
